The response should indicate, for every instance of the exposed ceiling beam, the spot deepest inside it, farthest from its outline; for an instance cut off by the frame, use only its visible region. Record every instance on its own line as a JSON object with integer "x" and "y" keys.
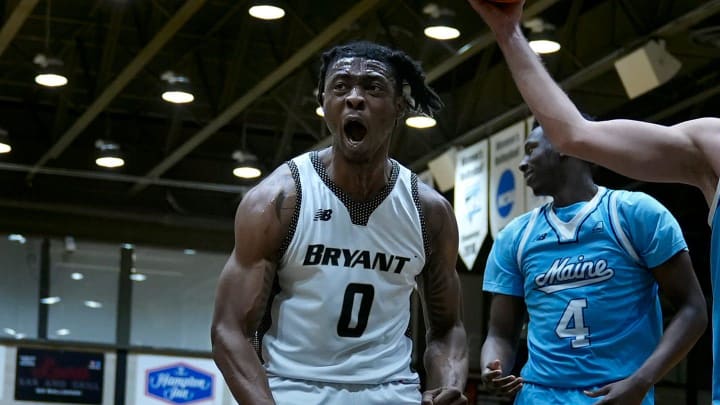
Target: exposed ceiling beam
{"x": 464, "y": 53}
{"x": 122, "y": 79}
{"x": 295, "y": 61}
{"x": 479, "y": 43}
{"x": 14, "y": 22}
{"x": 583, "y": 76}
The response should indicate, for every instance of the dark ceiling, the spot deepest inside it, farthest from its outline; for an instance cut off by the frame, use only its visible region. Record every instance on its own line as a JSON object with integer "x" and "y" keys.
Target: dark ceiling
{"x": 253, "y": 82}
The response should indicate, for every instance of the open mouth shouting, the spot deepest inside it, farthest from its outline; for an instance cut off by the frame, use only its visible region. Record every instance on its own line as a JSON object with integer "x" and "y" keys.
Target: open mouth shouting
{"x": 354, "y": 129}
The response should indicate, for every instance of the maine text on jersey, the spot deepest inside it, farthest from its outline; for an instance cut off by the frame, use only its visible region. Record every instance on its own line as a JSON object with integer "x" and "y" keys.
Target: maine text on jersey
{"x": 563, "y": 274}
{"x": 330, "y": 256}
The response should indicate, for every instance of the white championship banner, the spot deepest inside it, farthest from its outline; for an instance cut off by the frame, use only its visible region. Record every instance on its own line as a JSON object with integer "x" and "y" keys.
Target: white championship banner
{"x": 470, "y": 198}
{"x": 507, "y": 189}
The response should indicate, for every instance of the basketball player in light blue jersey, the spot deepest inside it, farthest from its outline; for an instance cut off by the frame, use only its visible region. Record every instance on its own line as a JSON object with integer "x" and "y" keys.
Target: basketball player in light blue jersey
{"x": 587, "y": 267}
{"x": 348, "y": 233}
{"x": 688, "y": 152}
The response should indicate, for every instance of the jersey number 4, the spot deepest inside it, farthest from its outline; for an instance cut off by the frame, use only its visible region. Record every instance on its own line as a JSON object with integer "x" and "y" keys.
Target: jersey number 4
{"x": 346, "y": 327}
{"x": 572, "y": 324}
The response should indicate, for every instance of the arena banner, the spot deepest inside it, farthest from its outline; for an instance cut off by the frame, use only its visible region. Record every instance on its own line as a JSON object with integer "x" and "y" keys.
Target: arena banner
{"x": 507, "y": 191}
{"x": 531, "y": 200}
{"x": 3, "y": 353}
{"x": 427, "y": 178}
{"x": 471, "y": 199}
{"x": 177, "y": 380}
{"x": 63, "y": 376}
{"x": 443, "y": 170}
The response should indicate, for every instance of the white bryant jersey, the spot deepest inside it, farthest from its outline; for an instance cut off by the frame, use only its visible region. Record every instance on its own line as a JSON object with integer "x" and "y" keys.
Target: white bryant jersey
{"x": 345, "y": 281}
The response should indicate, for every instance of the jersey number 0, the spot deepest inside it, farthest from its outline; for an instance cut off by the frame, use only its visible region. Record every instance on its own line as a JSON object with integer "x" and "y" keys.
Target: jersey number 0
{"x": 367, "y": 293}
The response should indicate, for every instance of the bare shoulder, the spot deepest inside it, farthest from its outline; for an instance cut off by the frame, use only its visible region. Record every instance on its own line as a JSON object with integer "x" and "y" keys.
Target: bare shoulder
{"x": 705, "y": 135}
{"x": 264, "y": 215}
{"x": 438, "y": 213}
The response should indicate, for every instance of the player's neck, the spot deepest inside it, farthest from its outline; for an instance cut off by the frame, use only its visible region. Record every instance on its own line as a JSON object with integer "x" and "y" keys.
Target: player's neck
{"x": 362, "y": 181}
{"x": 573, "y": 192}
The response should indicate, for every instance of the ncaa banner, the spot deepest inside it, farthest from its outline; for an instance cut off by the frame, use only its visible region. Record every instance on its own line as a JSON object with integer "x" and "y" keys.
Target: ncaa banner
{"x": 177, "y": 380}
{"x": 471, "y": 199}
{"x": 532, "y": 201}
{"x": 507, "y": 191}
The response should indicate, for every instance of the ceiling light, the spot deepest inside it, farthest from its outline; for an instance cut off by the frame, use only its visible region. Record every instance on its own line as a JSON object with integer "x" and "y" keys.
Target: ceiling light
{"x": 420, "y": 121}
{"x": 49, "y": 72}
{"x": 20, "y": 336}
{"x": 16, "y": 237}
{"x": 267, "y": 11}
{"x": 541, "y": 36}
{"x": 77, "y": 276}
{"x": 544, "y": 46}
{"x": 93, "y": 304}
{"x": 178, "y": 88}
{"x": 247, "y": 166}
{"x": 108, "y": 154}
{"x": 189, "y": 252}
{"x": 50, "y": 300}
{"x": 127, "y": 246}
{"x": 138, "y": 277}
{"x": 9, "y": 331}
{"x": 440, "y": 24}
{"x": 441, "y": 32}
{"x": 62, "y": 332}
{"x": 4, "y": 142}
{"x": 320, "y": 112}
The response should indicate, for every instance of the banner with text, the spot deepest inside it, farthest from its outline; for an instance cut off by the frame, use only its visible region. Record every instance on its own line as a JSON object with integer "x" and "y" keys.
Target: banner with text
{"x": 176, "y": 380}
{"x": 507, "y": 192}
{"x": 59, "y": 376}
{"x": 531, "y": 200}
{"x": 471, "y": 195}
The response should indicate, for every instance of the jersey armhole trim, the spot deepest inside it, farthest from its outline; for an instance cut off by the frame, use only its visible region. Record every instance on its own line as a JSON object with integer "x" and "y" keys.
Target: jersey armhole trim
{"x": 296, "y": 213}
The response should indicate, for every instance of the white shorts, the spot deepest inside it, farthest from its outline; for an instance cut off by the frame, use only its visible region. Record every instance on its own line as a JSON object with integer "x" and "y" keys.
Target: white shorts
{"x": 302, "y": 392}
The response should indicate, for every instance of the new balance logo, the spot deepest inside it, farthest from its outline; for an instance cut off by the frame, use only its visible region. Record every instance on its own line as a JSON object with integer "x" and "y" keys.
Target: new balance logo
{"x": 322, "y": 215}
{"x": 542, "y": 236}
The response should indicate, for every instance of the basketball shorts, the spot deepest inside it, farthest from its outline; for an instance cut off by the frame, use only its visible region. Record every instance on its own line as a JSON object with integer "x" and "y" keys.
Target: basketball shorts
{"x": 302, "y": 392}
{"x": 532, "y": 394}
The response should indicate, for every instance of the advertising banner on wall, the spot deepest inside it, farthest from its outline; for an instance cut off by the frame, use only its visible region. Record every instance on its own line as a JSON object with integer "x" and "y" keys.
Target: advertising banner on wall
{"x": 64, "y": 376}
{"x": 507, "y": 190}
{"x": 471, "y": 196}
{"x": 176, "y": 380}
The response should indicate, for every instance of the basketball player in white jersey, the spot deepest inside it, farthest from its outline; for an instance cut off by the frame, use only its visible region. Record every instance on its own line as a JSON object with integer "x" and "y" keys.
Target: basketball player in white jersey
{"x": 688, "y": 152}
{"x": 347, "y": 233}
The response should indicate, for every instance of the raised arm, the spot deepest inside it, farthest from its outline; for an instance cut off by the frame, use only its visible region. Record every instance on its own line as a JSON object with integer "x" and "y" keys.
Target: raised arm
{"x": 679, "y": 285}
{"x": 445, "y": 358}
{"x": 683, "y": 153}
{"x": 497, "y": 356}
{"x": 261, "y": 224}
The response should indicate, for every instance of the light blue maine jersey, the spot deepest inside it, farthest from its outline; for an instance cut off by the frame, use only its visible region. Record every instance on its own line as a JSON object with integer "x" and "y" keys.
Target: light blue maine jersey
{"x": 714, "y": 220}
{"x": 585, "y": 274}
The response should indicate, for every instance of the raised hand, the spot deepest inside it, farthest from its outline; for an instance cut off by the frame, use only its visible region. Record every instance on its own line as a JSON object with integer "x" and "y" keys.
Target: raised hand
{"x": 502, "y": 17}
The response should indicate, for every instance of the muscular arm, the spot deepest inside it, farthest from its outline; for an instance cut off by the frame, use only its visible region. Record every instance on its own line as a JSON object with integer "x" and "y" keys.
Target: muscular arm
{"x": 245, "y": 284}
{"x": 683, "y": 153}
{"x": 506, "y": 319}
{"x": 677, "y": 280}
{"x": 445, "y": 358}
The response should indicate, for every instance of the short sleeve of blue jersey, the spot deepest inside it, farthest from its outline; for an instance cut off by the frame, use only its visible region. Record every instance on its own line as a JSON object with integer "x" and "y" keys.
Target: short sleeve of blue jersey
{"x": 502, "y": 274}
{"x": 653, "y": 231}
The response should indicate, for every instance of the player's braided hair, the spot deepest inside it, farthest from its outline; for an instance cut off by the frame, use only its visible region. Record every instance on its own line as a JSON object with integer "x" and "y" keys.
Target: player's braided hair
{"x": 408, "y": 72}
